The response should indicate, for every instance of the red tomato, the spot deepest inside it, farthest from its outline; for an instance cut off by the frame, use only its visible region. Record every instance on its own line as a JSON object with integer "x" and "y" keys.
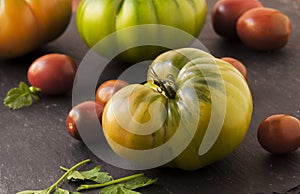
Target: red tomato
{"x": 226, "y": 14}
{"x": 53, "y": 73}
{"x": 107, "y": 89}
{"x": 279, "y": 134}
{"x": 82, "y": 115}
{"x": 75, "y": 4}
{"x": 238, "y": 65}
{"x": 264, "y": 29}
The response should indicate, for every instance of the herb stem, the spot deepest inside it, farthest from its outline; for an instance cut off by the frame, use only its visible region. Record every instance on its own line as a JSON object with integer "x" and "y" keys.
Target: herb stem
{"x": 66, "y": 174}
{"x": 94, "y": 186}
{"x": 63, "y": 168}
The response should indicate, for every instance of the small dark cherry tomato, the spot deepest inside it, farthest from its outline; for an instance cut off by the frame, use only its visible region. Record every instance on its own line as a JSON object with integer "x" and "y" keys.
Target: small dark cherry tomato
{"x": 107, "y": 89}
{"x": 75, "y": 4}
{"x": 279, "y": 134}
{"x": 226, "y": 13}
{"x": 264, "y": 29}
{"x": 83, "y": 116}
{"x": 53, "y": 73}
{"x": 238, "y": 65}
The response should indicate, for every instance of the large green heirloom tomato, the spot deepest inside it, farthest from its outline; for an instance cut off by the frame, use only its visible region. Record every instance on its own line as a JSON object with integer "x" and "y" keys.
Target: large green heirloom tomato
{"x": 194, "y": 110}
{"x": 96, "y": 19}
{"x": 27, "y": 24}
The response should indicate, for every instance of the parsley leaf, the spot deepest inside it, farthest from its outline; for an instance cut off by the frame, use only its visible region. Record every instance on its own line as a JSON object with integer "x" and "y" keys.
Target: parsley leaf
{"x": 55, "y": 185}
{"x": 21, "y": 96}
{"x": 112, "y": 189}
{"x": 92, "y": 175}
{"x": 117, "y": 189}
{"x": 124, "y": 185}
{"x": 139, "y": 182}
{"x": 63, "y": 191}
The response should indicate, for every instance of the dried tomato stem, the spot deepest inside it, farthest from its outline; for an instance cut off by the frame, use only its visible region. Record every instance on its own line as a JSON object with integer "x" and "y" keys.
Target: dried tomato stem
{"x": 167, "y": 86}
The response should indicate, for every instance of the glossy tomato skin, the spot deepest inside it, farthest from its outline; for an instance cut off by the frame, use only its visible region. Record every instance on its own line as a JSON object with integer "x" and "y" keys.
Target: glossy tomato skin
{"x": 81, "y": 116}
{"x": 264, "y": 29}
{"x": 107, "y": 89}
{"x": 192, "y": 107}
{"x": 226, "y": 13}
{"x": 279, "y": 134}
{"x": 238, "y": 65}
{"x": 96, "y": 19}
{"x": 53, "y": 73}
{"x": 35, "y": 23}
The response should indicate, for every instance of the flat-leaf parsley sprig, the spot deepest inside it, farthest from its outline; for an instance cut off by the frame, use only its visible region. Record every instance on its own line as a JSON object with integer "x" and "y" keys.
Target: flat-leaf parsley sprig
{"x": 55, "y": 185}
{"x": 21, "y": 96}
{"x": 103, "y": 180}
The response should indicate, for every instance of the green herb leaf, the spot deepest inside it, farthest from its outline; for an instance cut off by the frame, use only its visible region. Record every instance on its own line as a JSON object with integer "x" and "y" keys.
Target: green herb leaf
{"x": 55, "y": 185}
{"x": 139, "y": 182}
{"x": 117, "y": 189}
{"x": 112, "y": 182}
{"x": 21, "y": 96}
{"x": 112, "y": 189}
{"x": 75, "y": 176}
{"x": 124, "y": 190}
{"x": 63, "y": 191}
{"x": 92, "y": 175}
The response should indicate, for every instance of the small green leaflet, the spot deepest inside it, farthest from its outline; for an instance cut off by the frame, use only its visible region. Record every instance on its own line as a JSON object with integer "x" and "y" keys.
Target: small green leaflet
{"x": 129, "y": 186}
{"x": 21, "y": 96}
{"x": 123, "y": 185}
{"x": 55, "y": 185}
{"x": 117, "y": 189}
{"x": 63, "y": 191}
{"x": 92, "y": 175}
{"x": 139, "y": 182}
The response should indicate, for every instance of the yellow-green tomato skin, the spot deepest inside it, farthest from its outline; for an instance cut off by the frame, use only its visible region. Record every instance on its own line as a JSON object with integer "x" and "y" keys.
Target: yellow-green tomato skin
{"x": 222, "y": 96}
{"x": 97, "y": 19}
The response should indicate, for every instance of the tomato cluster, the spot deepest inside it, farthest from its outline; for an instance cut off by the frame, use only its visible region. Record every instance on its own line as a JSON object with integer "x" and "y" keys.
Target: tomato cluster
{"x": 83, "y": 111}
{"x": 259, "y": 28}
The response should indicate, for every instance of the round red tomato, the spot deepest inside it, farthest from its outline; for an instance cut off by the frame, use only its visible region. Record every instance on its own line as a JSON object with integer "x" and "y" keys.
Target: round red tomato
{"x": 52, "y": 73}
{"x": 107, "y": 89}
{"x": 279, "y": 134}
{"x": 264, "y": 29}
{"x": 226, "y": 13}
{"x": 83, "y": 115}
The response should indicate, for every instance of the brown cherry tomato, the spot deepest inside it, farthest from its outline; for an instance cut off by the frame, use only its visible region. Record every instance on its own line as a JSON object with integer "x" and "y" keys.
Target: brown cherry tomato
{"x": 226, "y": 13}
{"x": 53, "y": 73}
{"x": 238, "y": 65}
{"x": 107, "y": 89}
{"x": 264, "y": 29}
{"x": 75, "y": 4}
{"x": 82, "y": 116}
{"x": 279, "y": 134}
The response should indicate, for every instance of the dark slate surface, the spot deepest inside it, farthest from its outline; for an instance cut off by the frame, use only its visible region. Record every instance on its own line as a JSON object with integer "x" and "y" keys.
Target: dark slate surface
{"x": 34, "y": 141}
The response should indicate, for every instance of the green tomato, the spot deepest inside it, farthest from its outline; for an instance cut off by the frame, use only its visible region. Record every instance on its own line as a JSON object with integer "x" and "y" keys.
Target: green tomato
{"x": 195, "y": 109}
{"x": 96, "y": 19}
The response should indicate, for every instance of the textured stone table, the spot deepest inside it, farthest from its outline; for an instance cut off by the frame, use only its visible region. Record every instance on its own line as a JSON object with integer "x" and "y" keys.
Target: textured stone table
{"x": 34, "y": 141}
